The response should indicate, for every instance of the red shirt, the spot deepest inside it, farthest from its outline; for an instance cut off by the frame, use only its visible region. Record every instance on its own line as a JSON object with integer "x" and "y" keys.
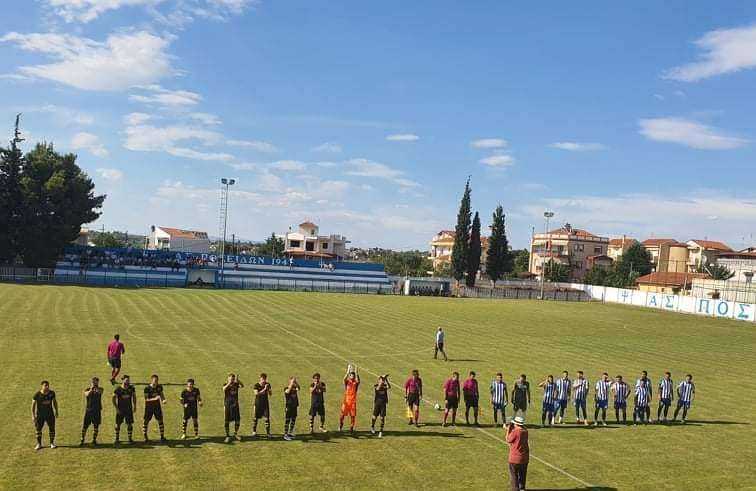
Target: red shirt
{"x": 115, "y": 349}
{"x": 413, "y": 386}
{"x": 470, "y": 387}
{"x": 519, "y": 451}
{"x": 451, "y": 388}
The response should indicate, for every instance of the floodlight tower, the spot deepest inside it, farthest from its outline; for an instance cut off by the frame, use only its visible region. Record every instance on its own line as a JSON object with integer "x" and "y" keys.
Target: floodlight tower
{"x": 547, "y": 215}
{"x": 225, "y": 184}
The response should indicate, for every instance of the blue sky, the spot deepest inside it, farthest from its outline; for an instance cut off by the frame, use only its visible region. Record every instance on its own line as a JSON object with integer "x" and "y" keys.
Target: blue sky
{"x": 367, "y": 117}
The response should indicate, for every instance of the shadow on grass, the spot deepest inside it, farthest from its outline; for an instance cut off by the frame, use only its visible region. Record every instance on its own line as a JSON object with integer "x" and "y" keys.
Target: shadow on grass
{"x": 464, "y": 359}
{"x": 591, "y": 488}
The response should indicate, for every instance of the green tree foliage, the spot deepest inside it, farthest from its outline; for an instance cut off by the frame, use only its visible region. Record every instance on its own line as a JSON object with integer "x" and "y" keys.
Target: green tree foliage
{"x": 402, "y": 263}
{"x": 556, "y": 272}
{"x": 717, "y": 271}
{"x": 443, "y": 270}
{"x": 597, "y": 275}
{"x": 521, "y": 261}
{"x": 109, "y": 240}
{"x": 634, "y": 263}
{"x": 461, "y": 249}
{"x": 53, "y": 199}
{"x": 10, "y": 202}
{"x": 273, "y": 246}
{"x": 499, "y": 259}
{"x": 473, "y": 260}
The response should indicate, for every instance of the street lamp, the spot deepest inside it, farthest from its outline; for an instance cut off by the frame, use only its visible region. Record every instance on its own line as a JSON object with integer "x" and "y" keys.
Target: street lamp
{"x": 547, "y": 215}
{"x": 225, "y": 183}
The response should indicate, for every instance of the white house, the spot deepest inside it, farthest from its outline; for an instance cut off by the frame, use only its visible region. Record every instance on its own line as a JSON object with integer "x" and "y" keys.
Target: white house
{"x": 307, "y": 243}
{"x": 174, "y": 239}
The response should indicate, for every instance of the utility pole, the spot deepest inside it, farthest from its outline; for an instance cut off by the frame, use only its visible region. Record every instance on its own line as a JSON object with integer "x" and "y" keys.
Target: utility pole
{"x": 225, "y": 183}
{"x": 547, "y": 215}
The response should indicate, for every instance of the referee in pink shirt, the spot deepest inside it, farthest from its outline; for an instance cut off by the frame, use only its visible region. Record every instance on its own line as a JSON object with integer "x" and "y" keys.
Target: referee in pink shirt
{"x": 115, "y": 350}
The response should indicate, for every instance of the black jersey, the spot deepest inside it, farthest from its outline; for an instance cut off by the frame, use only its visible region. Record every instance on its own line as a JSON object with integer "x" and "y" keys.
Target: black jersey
{"x": 291, "y": 398}
{"x": 317, "y": 394}
{"x": 381, "y": 393}
{"x": 231, "y": 395}
{"x": 124, "y": 398}
{"x": 150, "y": 392}
{"x": 261, "y": 395}
{"x": 44, "y": 403}
{"x": 94, "y": 400}
{"x": 190, "y": 397}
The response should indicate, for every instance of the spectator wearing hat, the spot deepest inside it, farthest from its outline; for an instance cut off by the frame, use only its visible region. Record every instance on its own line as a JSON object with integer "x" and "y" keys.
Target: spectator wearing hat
{"x": 519, "y": 452}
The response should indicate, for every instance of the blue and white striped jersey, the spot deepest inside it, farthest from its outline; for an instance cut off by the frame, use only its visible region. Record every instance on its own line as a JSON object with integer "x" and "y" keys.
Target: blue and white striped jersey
{"x": 686, "y": 390}
{"x": 646, "y": 382}
{"x": 602, "y": 390}
{"x": 665, "y": 388}
{"x": 641, "y": 395}
{"x": 549, "y": 392}
{"x": 621, "y": 391}
{"x": 580, "y": 389}
{"x": 563, "y": 388}
{"x": 498, "y": 391}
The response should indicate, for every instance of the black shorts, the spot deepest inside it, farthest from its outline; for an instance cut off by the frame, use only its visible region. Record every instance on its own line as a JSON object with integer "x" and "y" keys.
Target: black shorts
{"x": 232, "y": 413}
{"x": 440, "y": 346}
{"x": 127, "y": 416}
{"x": 92, "y": 418}
{"x": 516, "y": 406}
{"x": 452, "y": 402}
{"x": 47, "y": 419}
{"x": 151, "y": 410}
{"x": 262, "y": 411}
{"x": 291, "y": 412}
{"x": 190, "y": 412}
{"x": 317, "y": 410}
{"x": 471, "y": 401}
{"x": 114, "y": 362}
{"x": 379, "y": 409}
{"x": 413, "y": 399}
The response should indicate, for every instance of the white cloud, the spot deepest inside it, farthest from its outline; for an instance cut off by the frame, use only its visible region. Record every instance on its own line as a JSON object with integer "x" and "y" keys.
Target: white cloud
{"x": 122, "y": 61}
{"x": 133, "y": 119}
{"x": 178, "y": 10}
{"x": 112, "y": 175}
{"x": 206, "y": 118}
{"x": 402, "y": 137}
{"x": 489, "y": 143}
{"x": 578, "y": 147}
{"x": 260, "y": 146}
{"x": 368, "y": 168}
{"x": 328, "y": 147}
{"x": 89, "y": 142}
{"x": 501, "y": 160}
{"x": 189, "y": 153}
{"x": 724, "y": 51}
{"x": 63, "y": 115}
{"x": 173, "y": 140}
{"x": 688, "y": 133}
{"x": 155, "y": 94}
{"x": 288, "y": 165}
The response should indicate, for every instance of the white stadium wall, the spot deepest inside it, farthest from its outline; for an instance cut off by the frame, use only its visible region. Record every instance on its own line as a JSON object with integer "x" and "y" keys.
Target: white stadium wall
{"x": 675, "y": 303}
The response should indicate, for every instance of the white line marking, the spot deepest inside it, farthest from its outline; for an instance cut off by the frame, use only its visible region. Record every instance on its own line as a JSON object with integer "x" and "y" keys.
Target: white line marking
{"x": 491, "y": 435}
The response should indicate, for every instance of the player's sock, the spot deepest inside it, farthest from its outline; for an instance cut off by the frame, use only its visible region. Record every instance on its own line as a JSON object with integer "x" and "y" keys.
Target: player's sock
{"x": 117, "y": 432}
{"x": 183, "y": 426}
{"x": 161, "y": 426}
{"x": 383, "y": 423}
{"x": 312, "y": 423}
{"x": 543, "y": 418}
{"x": 293, "y": 423}
{"x": 225, "y": 427}
{"x": 144, "y": 429}
{"x": 267, "y": 426}
{"x": 84, "y": 433}
{"x": 254, "y": 425}
{"x": 39, "y": 437}
{"x": 196, "y": 427}
{"x": 236, "y": 427}
{"x": 130, "y": 431}
{"x": 372, "y": 422}
{"x": 685, "y": 413}
{"x": 496, "y": 416}
{"x": 417, "y": 416}
{"x": 95, "y": 432}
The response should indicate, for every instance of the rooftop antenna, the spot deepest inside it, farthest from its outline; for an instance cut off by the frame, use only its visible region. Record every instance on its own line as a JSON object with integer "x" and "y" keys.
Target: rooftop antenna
{"x": 16, "y": 134}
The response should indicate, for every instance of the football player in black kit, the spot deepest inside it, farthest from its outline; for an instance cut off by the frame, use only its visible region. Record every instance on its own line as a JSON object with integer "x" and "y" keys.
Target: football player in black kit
{"x": 317, "y": 402}
{"x": 262, "y": 391}
{"x": 124, "y": 401}
{"x": 380, "y": 403}
{"x": 190, "y": 400}
{"x": 231, "y": 405}
{"x": 93, "y": 411}
{"x": 291, "y": 401}
{"x": 153, "y": 407}
{"x": 44, "y": 410}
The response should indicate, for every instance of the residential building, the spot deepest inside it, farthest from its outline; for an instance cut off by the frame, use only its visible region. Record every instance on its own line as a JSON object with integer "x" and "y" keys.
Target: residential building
{"x": 667, "y": 255}
{"x": 742, "y": 263}
{"x": 83, "y": 238}
{"x": 704, "y": 252}
{"x": 307, "y": 243}
{"x": 617, "y": 247}
{"x": 176, "y": 239}
{"x": 441, "y": 246}
{"x": 668, "y": 282}
{"x": 569, "y": 246}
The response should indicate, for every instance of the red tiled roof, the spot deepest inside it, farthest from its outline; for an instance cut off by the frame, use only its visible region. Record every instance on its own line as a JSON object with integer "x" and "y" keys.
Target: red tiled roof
{"x": 184, "y": 234}
{"x": 618, "y": 242}
{"x": 738, "y": 255}
{"x": 666, "y": 278}
{"x": 656, "y": 242}
{"x": 572, "y": 231}
{"x": 712, "y": 244}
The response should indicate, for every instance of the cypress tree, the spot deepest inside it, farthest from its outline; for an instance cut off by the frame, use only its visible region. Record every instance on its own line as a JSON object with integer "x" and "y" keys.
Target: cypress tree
{"x": 499, "y": 258}
{"x": 461, "y": 249}
{"x": 473, "y": 260}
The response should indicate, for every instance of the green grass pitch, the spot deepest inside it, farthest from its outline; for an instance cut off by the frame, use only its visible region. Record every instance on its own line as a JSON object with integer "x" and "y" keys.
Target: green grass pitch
{"x": 60, "y": 334}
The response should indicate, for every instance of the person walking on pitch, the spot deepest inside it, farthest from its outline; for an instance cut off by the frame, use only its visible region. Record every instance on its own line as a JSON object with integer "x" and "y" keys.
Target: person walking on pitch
{"x": 317, "y": 402}
{"x": 686, "y": 392}
{"x": 580, "y": 391}
{"x": 44, "y": 410}
{"x": 601, "y": 396}
{"x": 349, "y": 402}
{"x": 499, "y": 398}
{"x": 380, "y": 403}
{"x": 520, "y": 396}
{"x": 472, "y": 396}
{"x": 413, "y": 394}
{"x": 564, "y": 385}
{"x": 153, "y": 407}
{"x": 291, "y": 407}
{"x": 519, "y": 453}
{"x": 620, "y": 390}
{"x": 124, "y": 401}
{"x": 92, "y": 411}
{"x": 115, "y": 350}
{"x": 646, "y": 382}
{"x": 232, "y": 411}
{"x": 439, "y": 346}
{"x": 548, "y": 406}
{"x": 190, "y": 400}
{"x": 262, "y": 391}
{"x": 451, "y": 399}
{"x": 666, "y": 395}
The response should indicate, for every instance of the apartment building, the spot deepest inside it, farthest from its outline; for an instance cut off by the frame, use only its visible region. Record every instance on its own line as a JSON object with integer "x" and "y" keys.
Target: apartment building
{"x": 576, "y": 248}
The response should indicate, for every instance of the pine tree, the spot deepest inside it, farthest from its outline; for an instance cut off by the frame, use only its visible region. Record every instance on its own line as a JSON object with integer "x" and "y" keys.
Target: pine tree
{"x": 473, "y": 260}
{"x": 461, "y": 249}
{"x": 499, "y": 260}
{"x": 11, "y": 198}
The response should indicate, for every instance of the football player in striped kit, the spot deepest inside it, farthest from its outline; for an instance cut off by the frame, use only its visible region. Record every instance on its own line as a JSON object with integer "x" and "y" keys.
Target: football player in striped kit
{"x": 601, "y": 396}
{"x": 686, "y": 391}
{"x": 550, "y": 392}
{"x": 499, "y": 398}
{"x": 620, "y": 390}
{"x": 665, "y": 396}
{"x": 564, "y": 385}
{"x": 580, "y": 391}
{"x": 642, "y": 399}
{"x": 645, "y": 381}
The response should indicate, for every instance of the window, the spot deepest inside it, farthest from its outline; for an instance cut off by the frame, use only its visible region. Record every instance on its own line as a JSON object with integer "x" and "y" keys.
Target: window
{"x": 597, "y": 250}
{"x": 294, "y": 243}
{"x": 324, "y": 245}
{"x": 310, "y": 246}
